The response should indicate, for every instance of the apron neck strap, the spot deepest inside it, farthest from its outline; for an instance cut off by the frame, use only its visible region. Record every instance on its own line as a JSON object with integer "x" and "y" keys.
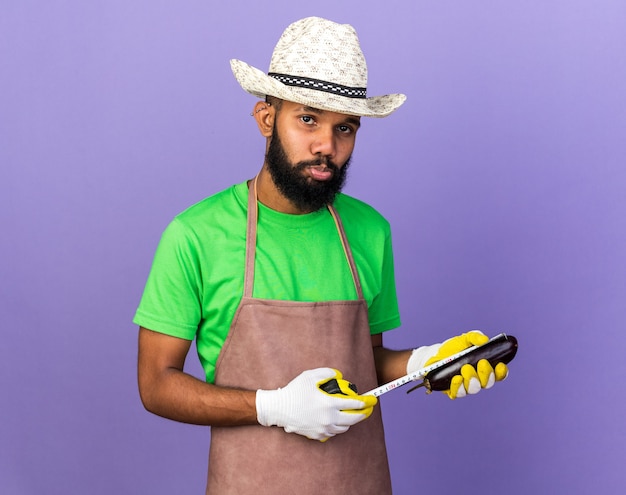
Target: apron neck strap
{"x": 253, "y": 215}
{"x": 348, "y": 252}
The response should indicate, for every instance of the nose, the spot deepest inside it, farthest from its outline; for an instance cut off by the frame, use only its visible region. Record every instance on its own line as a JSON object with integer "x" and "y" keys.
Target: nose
{"x": 324, "y": 143}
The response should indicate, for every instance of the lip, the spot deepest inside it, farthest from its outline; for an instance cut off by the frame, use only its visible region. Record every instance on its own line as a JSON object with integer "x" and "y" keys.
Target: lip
{"x": 320, "y": 172}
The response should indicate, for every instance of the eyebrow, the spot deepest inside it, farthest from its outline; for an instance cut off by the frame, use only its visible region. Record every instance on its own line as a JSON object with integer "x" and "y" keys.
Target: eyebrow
{"x": 349, "y": 118}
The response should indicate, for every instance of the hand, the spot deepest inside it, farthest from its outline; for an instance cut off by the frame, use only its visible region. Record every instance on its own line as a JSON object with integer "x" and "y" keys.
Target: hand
{"x": 303, "y": 408}
{"x": 471, "y": 380}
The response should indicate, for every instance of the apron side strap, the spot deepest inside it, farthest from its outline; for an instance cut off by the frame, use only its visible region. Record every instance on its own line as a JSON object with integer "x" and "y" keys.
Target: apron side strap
{"x": 253, "y": 213}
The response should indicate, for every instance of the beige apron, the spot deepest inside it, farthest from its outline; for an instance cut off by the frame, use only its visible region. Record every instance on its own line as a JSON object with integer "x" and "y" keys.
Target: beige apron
{"x": 271, "y": 342}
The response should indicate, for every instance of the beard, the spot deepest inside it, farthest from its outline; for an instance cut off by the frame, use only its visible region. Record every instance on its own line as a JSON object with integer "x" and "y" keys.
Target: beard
{"x": 304, "y": 192}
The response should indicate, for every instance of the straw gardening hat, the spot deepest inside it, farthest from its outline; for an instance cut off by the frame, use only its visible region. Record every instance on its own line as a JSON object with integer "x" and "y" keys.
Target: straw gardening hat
{"x": 318, "y": 63}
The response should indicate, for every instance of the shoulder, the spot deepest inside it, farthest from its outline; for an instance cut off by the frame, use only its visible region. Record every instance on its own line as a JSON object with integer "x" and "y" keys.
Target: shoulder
{"x": 212, "y": 219}
{"x": 230, "y": 201}
{"x": 354, "y": 211}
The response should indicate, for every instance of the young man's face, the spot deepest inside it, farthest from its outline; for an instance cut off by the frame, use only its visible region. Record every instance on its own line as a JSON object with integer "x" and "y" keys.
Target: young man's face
{"x": 309, "y": 153}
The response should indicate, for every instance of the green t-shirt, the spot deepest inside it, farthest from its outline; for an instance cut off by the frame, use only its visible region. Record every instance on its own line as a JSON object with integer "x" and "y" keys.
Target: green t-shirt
{"x": 196, "y": 281}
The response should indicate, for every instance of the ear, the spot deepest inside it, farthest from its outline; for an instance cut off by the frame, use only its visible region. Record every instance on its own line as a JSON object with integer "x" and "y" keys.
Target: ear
{"x": 264, "y": 114}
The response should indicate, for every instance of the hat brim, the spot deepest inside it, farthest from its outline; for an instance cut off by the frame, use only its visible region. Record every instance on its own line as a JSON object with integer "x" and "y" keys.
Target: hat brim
{"x": 259, "y": 84}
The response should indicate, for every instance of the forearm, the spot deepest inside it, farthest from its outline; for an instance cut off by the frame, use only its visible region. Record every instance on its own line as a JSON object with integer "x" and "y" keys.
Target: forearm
{"x": 390, "y": 364}
{"x": 181, "y": 397}
{"x": 166, "y": 390}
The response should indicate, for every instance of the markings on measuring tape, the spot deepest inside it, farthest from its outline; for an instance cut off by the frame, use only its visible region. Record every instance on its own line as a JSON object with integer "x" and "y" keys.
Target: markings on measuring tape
{"x": 416, "y": 375}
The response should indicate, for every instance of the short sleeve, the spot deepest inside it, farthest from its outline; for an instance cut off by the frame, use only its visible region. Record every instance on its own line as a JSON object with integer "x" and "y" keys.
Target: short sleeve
{"x": 170, "y": 302}
{"x": 383, "y": 312}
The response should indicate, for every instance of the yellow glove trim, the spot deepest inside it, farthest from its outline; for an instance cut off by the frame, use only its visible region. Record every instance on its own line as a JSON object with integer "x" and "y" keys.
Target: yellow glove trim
{"x": 369, "y": 401}
{"x": 455, "y": 385}
{"x": 458, "y": 344}
{"x": 485, "y": 372}
{"x": 501, "y": 371}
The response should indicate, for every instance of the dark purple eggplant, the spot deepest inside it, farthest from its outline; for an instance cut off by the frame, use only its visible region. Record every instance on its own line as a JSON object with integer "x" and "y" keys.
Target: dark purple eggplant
{"x": 500, "y": 349}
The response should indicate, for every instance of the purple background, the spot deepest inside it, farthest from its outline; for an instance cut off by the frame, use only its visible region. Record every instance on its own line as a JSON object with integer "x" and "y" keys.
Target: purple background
{"x": 503, "y": 177}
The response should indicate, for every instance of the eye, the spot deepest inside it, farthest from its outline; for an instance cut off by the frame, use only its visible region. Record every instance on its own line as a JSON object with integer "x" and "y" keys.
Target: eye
{"x": 307, "y": 119}
{"x": 344, "y": 129}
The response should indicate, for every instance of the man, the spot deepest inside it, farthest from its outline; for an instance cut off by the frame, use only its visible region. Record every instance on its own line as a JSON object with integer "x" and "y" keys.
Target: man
{"x": 288, "y": 285}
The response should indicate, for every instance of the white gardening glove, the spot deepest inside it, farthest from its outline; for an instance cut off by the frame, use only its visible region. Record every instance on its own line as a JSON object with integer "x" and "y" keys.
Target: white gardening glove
{"x": 471, "y": 380}
{"x": 302, "y": 407}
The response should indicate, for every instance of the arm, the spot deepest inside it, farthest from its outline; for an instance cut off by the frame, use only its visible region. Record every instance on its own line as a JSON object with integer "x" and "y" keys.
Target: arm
{"x": 390, "y": 364}
{"x": 166, "y": 390}
{"x": 300, "y": 407}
